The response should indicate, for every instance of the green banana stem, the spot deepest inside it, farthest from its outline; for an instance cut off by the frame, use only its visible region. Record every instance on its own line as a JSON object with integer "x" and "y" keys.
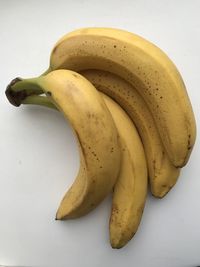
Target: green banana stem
{"x": 39, "y": 100}
{"x": 19, "y": 89}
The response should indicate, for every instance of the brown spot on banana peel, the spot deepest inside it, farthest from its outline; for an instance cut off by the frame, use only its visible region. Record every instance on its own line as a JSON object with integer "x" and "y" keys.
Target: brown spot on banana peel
{"x": 82, "y": 147}
{"x": 154, "y": 169}
{"x": 75, "y": 75}
{"x": 189, "y": 142}
{"x": 115, "y": 209}
{"x": 89, "y": 115}
{"x": 190, "y": 139}
{"x": 189, "y": 149}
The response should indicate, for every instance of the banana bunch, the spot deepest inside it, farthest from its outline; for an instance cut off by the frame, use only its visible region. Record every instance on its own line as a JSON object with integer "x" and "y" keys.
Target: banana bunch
{"x": 131, "y": 115}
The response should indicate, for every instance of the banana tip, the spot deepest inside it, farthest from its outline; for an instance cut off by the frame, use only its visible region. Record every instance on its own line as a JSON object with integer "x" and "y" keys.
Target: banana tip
{"x": 58, "y": 218}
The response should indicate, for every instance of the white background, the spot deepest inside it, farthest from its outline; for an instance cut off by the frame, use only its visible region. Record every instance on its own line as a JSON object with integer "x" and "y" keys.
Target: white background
{"x": 39, "y": 158}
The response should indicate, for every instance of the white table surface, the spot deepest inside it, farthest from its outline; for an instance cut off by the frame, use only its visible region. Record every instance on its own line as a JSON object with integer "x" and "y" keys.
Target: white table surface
{"x": 39, "y": 157}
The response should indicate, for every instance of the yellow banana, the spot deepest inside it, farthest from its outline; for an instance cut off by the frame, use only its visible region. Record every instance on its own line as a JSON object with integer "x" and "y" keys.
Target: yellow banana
{"x": 131, "y": 187}
{"x": 147, "y": 68}
{"x": 162, "y": 174}
{"x": 95, "y": 130}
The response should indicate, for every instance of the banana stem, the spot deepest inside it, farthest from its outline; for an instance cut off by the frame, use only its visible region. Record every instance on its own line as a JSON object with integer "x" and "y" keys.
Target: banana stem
{"x": 19, "y": 89}
{"x": 39, "y": 100}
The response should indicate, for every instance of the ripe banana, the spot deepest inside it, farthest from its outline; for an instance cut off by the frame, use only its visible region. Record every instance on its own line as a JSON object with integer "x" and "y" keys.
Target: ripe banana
{"x": 131, "y": 187}
{"x": 147, "y": 68}
{"x": 95, "y": 130}
{"x": 162, "y": 174}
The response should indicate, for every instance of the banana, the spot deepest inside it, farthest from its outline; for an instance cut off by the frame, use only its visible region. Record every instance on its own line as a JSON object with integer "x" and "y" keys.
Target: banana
{"x": 147, "y": 68}
{"x": 162, "y": 174}
{"x": 131, "y": 187}
{"x": 95, "y": 130}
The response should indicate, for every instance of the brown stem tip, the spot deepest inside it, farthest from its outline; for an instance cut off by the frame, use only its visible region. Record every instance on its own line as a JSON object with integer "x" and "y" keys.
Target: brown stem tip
{"x": 15, "y": 98}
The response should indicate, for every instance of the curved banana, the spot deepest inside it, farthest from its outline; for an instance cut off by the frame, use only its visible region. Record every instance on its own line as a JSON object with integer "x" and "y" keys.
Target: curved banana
{"x": 95, "y": 130}
{"x": 131, "y": 187}
{"x": 162, "y": 174}
{"x": 147, "y": 68}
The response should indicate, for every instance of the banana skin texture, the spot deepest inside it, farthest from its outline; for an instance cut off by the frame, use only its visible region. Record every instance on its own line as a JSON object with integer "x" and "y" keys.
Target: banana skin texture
{"x": 147, "y": 68}
{"x": 162, "y": 173}
{"x": 130, "y": 190}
